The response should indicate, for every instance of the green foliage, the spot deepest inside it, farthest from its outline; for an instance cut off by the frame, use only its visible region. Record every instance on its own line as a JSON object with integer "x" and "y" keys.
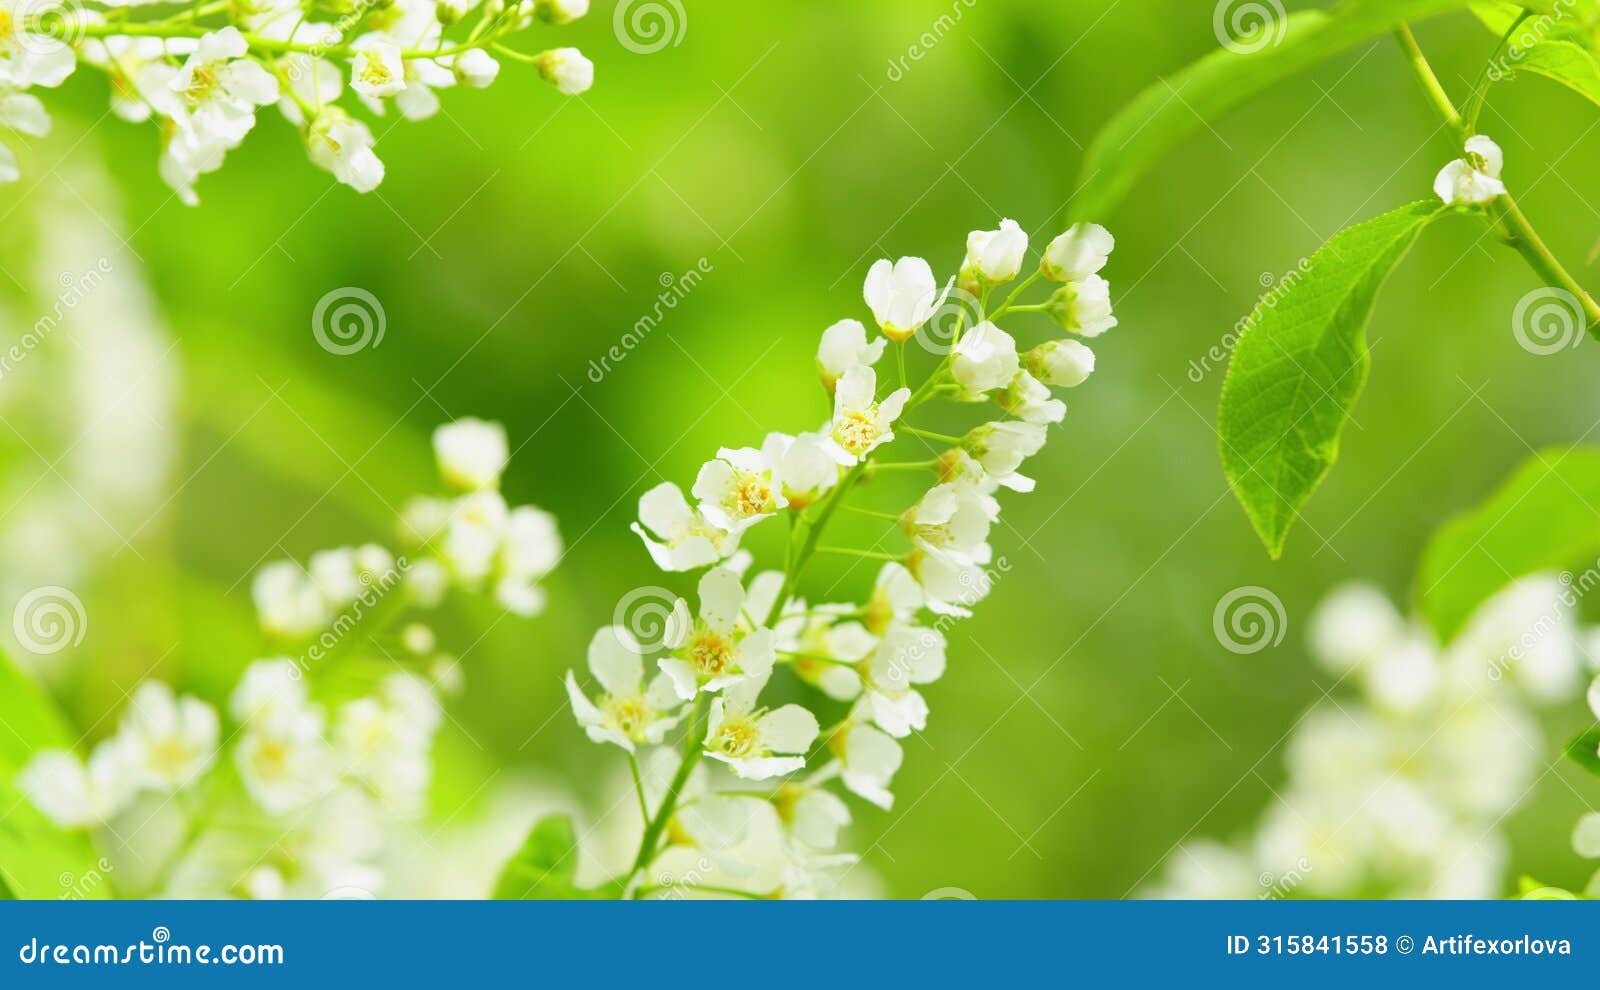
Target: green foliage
{"x": 1299, "y": 365}
{"x": 1160, "y": 118}
{"x": 543, "y": 869}
{"x": 35, "y": 854}
{"x": 1547, "y": 516}
{"x": 1584, "y": 750}
{"x": 1566, "y": 63}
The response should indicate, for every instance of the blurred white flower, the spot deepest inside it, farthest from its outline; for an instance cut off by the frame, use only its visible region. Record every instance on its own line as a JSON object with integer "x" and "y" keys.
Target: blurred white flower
{"x": 472, "y": 453}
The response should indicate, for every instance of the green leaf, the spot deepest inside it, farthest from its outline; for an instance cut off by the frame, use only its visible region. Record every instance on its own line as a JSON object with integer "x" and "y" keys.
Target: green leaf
{"x": 38, "y": 859}
{"x": 1564, "y": 62}
{"x": 1584, "y": 750}
{"x": 543, "y": 869}
{"x": 1546, "y": 517}
{"x": 1298, "y": 367}
{"x": 1162, "y": 117}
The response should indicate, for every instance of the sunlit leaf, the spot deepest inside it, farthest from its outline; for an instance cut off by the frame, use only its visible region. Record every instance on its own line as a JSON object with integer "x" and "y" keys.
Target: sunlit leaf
{"x": 544, "y": 868}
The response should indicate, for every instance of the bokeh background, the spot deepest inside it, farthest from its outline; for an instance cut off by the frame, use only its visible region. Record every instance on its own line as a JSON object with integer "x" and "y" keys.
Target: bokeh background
{"x": 1090, "y": 720}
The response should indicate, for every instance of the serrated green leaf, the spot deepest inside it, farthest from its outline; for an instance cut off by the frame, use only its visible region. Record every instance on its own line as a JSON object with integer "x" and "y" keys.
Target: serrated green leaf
{"x": 1298, "y": 367}
{"x": 544, "y": 868}
{"x": 38, "y": 859}
{"x": 1164, "y": 115}
{"x": 1564, "y": 62}
{"x": 1584, "y": 750}
{"x": 1545, "y": 517}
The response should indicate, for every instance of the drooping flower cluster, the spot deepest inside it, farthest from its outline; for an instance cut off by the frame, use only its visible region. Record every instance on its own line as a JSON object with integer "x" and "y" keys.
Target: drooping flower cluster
{"x": 202, "y": 72}
{"x": 1400, "y": 790}
{"x": 705, "y": 667}
{"x": 320, "y": 759}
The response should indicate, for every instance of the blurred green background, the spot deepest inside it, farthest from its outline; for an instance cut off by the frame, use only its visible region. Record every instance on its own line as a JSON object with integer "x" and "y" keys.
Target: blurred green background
{"x": 520, "y": 234}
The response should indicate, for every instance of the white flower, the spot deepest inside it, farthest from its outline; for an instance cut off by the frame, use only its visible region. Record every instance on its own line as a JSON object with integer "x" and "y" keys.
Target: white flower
{"x": 1029, "y": 400}
{"x": 377, "y": 69}
{"x": 1586, "y": 836}
{"x": 721, "y": 647}
{"x": 896, "y": 596}
{"x": 902, "y": 296}
{"x": 739, "y": 488}
{"x": 287, "y": 603}
{"x": 172, "y": 740}
{"x": 219, "y": 88}
{"x": 472, "y": 453}
{"x": 753, "y": 741}
{"x": 530, "y": 548}
{"x": 830, "y": 650}
{"x": 560, "y": 11}
{"x": 566, "y": 69}
{"x": 812, "y": 815}
{"x": 1000, "y": 448}
{"x": 283, "y": 760}
{"x": 475, "y": 68}
{"x": 996, "y": 256}
{"x": 844, "y": 345}
{"x": 268, "y": 690}
{"x": 683, "y": 538}
{"x": 343, "y": 146}
{"x": 384, "y": 742}
{"x": 76, "y": 796}
{"x": 859, "y": 423}
{"x": 949, "y": 586}
{"x": 803, "y": 466}
{"x": 472, "y": 539}
{"x": 985, "y": 359}
{"x": 1082, "y": 251}
{"x": 1594, "y": 697}
{"x": 954, "y": 518}
{"x": 24, "y": 114}
{"x": 906, "y": 655}
{"x": 1352, "y": 625}
{"x": 1061, "y": 363}
{"x": 1474, "y": 179}
{"x": 33, "y": 58}
{"x": 628, "y": 712}
{"x": 869, "y": 759}
{"x": 1083, "y": 306}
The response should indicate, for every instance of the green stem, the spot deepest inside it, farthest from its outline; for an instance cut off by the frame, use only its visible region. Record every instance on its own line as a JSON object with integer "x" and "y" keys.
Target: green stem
{"x": 704, "y": 888}
{"x": 874, "y": 513}
{"x": 1513, "y": 225}
{"x": 638, "y": 788}
{"x": 691, "y": 756}
{"x": 906, "y": 465}
{"x": 1480, "y": 88}
{"x": 866, "y": 554}
{"x": 261, "y": 43}
{"x": 809, "y": 547}
{"x": 930, "y": 435}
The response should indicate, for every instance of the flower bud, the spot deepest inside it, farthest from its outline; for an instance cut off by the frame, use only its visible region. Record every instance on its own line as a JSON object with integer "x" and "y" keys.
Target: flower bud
{"x": 475, "y": 68}
{"x": 1080, "y": 252}
{"x": 1083, "y": 307}
{"x": 1062, "y": 363}
{"x": 560, "y": 11}
{"x": 995, "y": 256}
{"x": 566, "y": 69}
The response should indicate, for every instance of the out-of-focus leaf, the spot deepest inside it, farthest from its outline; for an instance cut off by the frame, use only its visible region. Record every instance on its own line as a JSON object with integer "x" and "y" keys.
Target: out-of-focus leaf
{"x": 1584, "y": 750}
{"x": 1160, "y": 118}
{"x": 543, "y": 869}
{"x": 1298, "y": 367}
{"x": 1546, "y": 517}
{"x": 38, "y": 859}
{"x": 1564, "y": 62}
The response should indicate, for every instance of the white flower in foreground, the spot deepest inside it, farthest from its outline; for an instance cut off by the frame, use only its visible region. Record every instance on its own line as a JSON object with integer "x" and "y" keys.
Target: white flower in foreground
{"x": 896, "y": 596}
{"x": 627, "y": 713}
{"x": 902, "y": 296}
{"x": 1083, "y": 307}
{"x": 560, "y": 11}
{"x": 755, "y": 742}
{"x": 954, "y": 518}
{"x": 220, "y": 87}
{"x": 985, "y": 359}
{"x": 377, "y": 69}
{"x": 34, "y": 58}
{"x": 283, "y": 759}
{"x": 1082, "y": 251}
{"x": 475, "y": 68}
{"x": 683, "y": 539}
{"x": 74, "y": 795}
{"x": 739, "y": 488}
{"x": 172, "y": 741}
{"x": 566, "y": 69}
{"x": 995, "y": 256}
{"x": 1061, "y": 363}
{"x": 472, "y": 453}
{"x": 342, "y": 145}
{"x": 859, "y": 423}
{"x": 949, "y": 586}
{"x": 1029, "y": 400}
{"x": 1000, "y": 448}
{"x": 721, "y": 647}
{"x": 869, "y": 759}
{"x": 804, "y": 467}
{"x": 1474, "y": 179}
{"x": 907, "y": 655}
{"x": 844, "y": 345}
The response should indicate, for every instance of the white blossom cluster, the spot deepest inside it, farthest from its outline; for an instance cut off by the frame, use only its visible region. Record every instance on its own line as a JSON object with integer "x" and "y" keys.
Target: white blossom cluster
{"x": 704, "y": 672}
{"x": 1399, "y": 790}
{"x": 203, "y": 71}
{"x": 319, "y": 759}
